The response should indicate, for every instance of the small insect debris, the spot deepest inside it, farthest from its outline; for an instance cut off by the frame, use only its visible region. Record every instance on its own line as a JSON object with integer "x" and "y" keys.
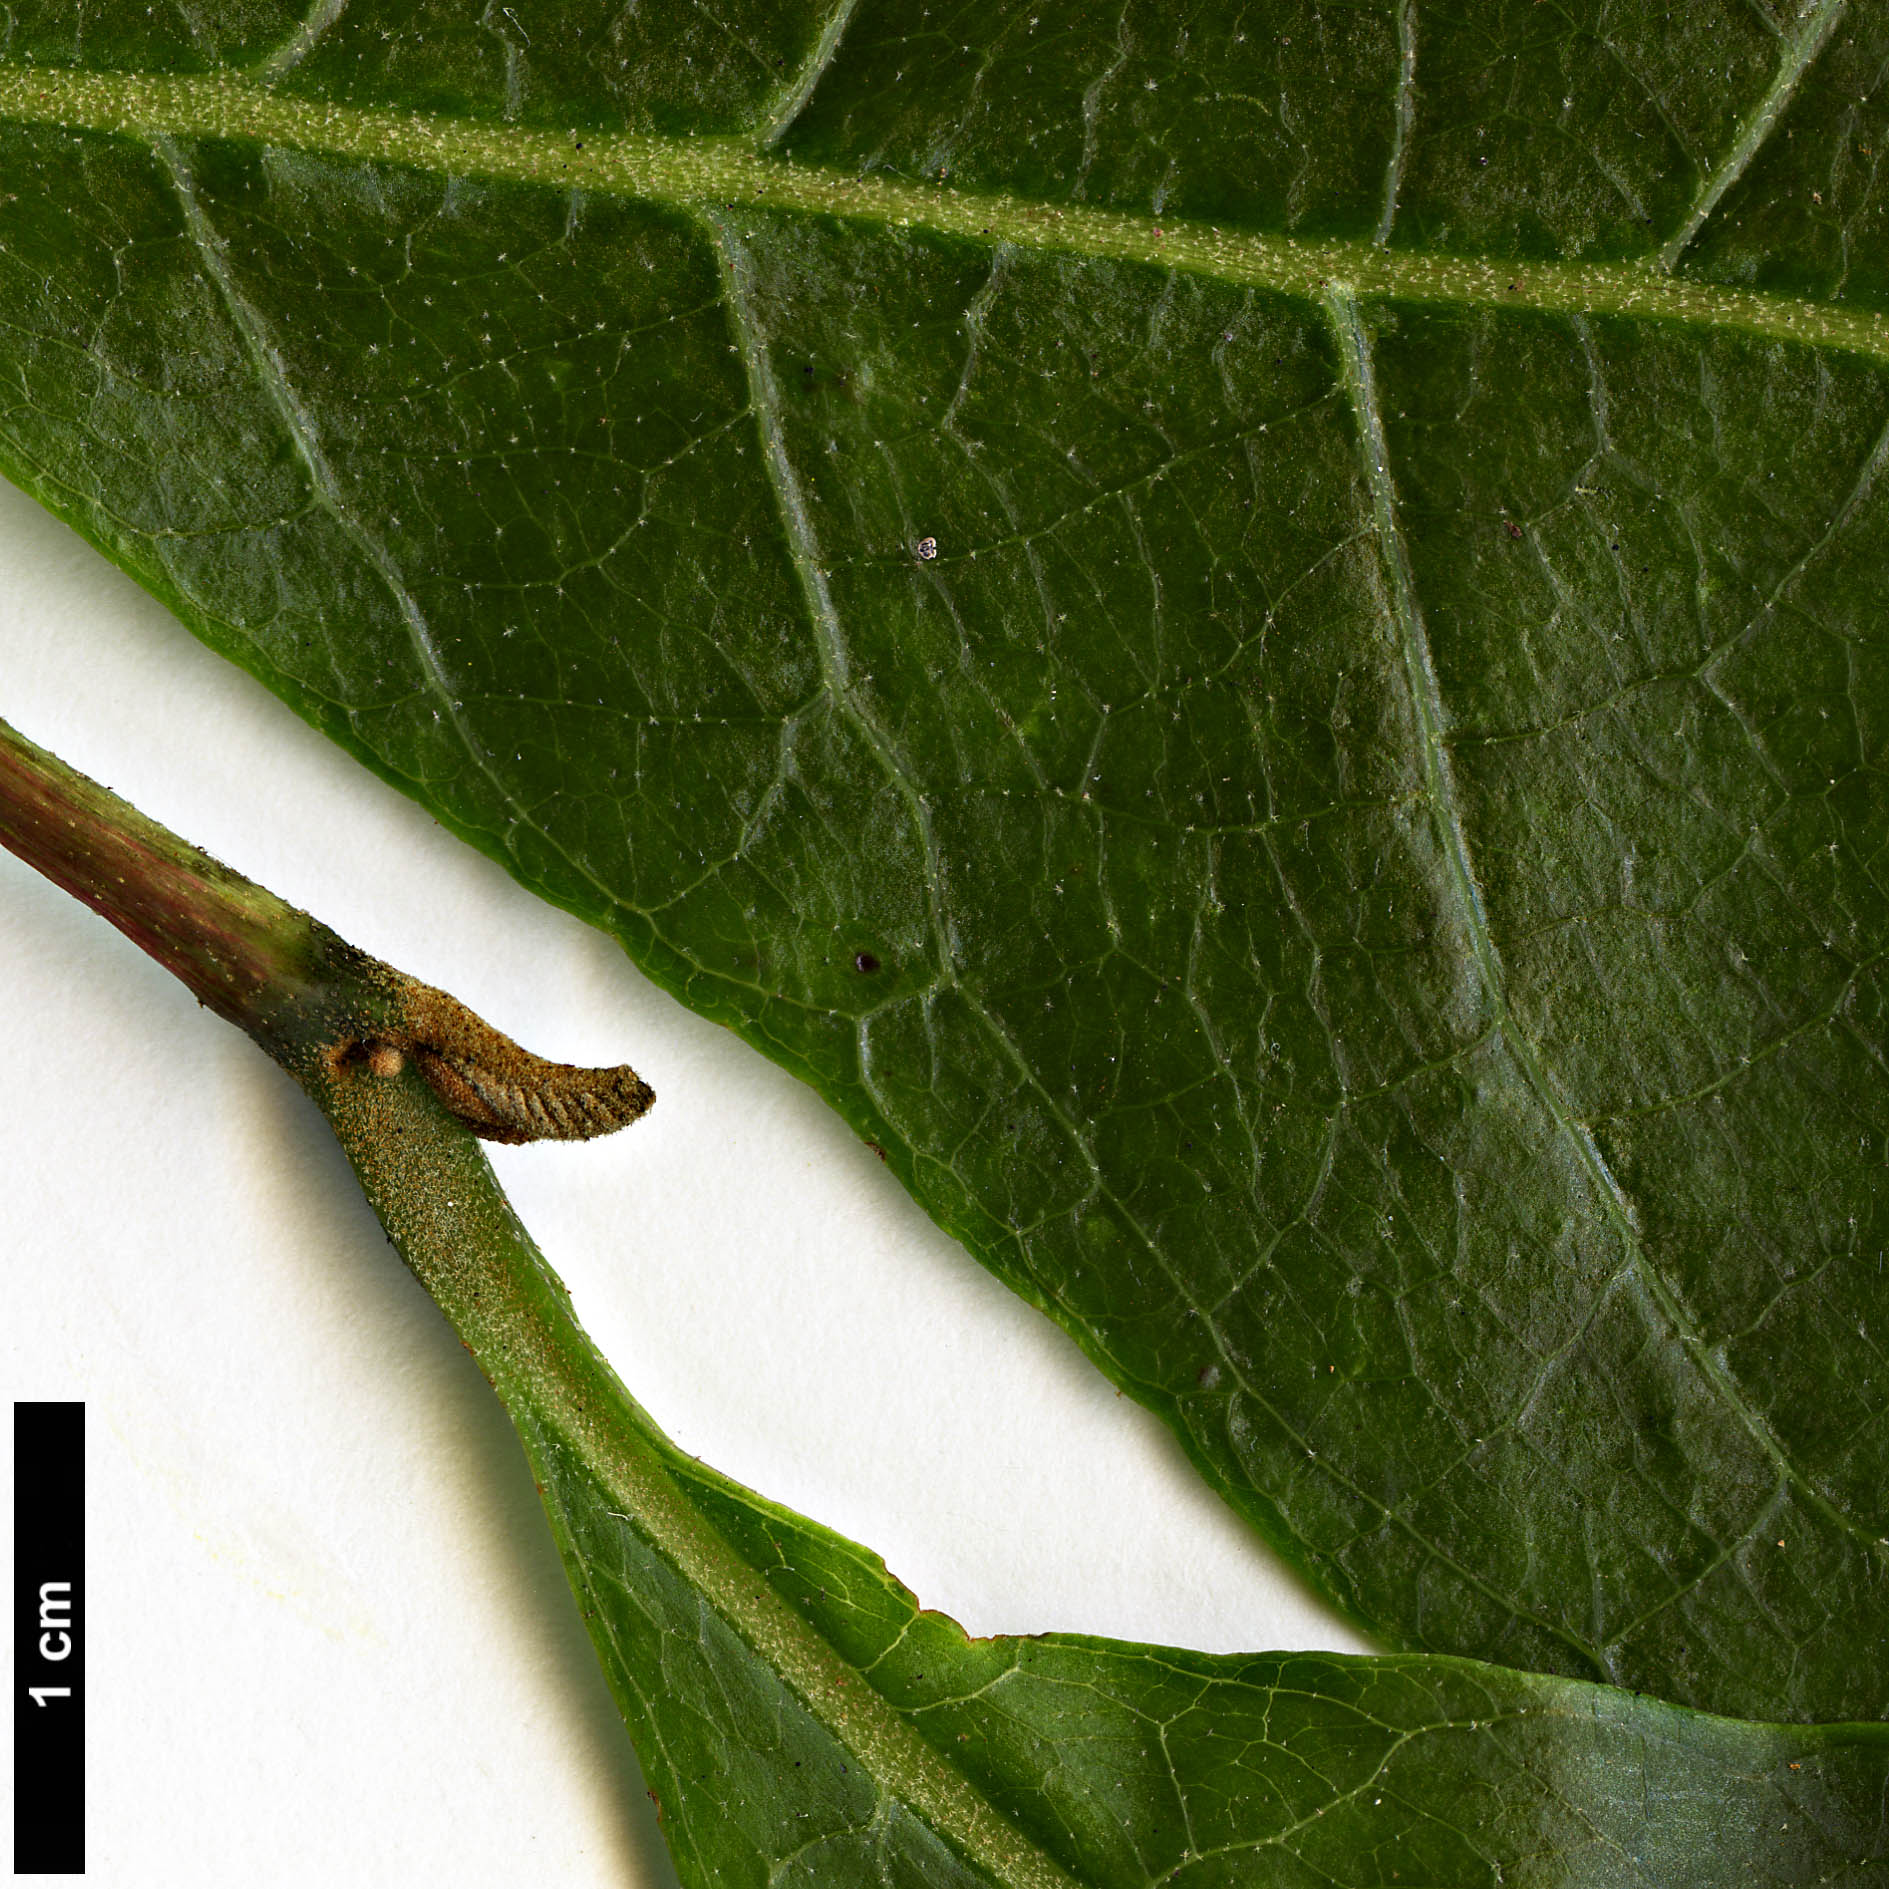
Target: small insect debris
{"x": 926, "y": 549}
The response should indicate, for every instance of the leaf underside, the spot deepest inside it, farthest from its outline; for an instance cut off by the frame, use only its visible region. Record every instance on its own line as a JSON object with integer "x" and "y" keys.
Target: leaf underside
{"x": 1121, "y": 1766}
{"x": 1268, "y": 667}
{"x": 803, "y": 1722}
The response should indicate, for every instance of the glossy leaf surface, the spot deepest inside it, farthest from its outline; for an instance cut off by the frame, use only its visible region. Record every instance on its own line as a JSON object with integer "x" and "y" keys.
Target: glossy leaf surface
{"x": 1256, "y": 640}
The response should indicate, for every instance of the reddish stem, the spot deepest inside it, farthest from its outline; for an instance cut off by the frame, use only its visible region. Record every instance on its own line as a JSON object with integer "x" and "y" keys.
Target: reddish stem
{"x": 248, "y": 955}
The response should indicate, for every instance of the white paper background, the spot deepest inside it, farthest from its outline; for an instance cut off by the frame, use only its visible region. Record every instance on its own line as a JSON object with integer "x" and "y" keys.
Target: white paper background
{"x": 329, "y": 1639}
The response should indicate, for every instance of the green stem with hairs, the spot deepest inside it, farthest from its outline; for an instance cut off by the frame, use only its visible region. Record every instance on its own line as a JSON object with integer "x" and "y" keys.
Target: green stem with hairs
{"x": 354, "y": 1033}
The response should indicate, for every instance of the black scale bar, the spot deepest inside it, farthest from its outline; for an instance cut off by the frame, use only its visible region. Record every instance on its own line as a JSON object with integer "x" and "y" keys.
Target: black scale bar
{"x": 49, "y": 1628}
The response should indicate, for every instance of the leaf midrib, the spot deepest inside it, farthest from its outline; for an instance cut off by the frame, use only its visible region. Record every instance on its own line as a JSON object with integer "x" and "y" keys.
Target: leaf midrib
{"x": 695, "y": 171}
{"x": 715, "y": 175}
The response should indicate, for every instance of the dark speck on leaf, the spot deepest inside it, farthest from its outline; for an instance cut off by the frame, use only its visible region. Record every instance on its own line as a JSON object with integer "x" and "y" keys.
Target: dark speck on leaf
{"x": 1511, "y": 527}
{"x": 865, "y": 961}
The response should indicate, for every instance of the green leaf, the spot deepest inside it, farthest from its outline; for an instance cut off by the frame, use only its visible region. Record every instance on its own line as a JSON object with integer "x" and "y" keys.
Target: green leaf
{"x": 1090, "y": 1761}
{"x": 1256, "y": 642}
{"x": 803, "y": 1721}
{"x": 806, "y": 1720}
